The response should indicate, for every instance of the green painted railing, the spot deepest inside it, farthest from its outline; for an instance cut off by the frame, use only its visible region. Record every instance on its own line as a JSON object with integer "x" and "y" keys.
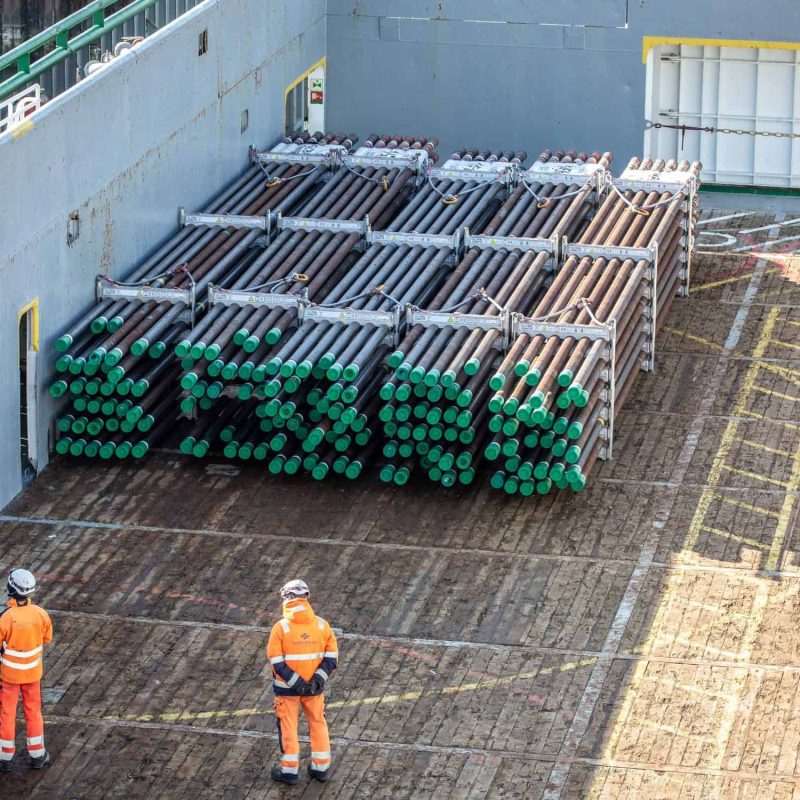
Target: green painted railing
{"x": 57, "y": 36}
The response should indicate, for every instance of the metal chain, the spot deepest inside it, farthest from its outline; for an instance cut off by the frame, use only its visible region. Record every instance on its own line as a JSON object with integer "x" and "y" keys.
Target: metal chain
{"x": 648, "y": 124}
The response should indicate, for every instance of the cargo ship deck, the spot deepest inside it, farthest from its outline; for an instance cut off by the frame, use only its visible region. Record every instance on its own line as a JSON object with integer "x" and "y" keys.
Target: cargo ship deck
{"x": 638, "y": 638}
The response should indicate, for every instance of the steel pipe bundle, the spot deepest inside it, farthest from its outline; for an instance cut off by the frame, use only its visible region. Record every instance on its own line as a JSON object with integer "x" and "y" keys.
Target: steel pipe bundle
{"x": 122, "y": 348}
{"x": 321, "y": 375}
{"x": 551, "y": 399}
{"x": 320, "y": 384}
{"x": 438, "y": 392}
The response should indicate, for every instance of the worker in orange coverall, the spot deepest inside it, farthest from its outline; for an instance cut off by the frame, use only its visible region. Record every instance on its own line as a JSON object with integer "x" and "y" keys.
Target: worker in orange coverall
{"x": 25, "y": 629}
{"x": 303, "y": 653}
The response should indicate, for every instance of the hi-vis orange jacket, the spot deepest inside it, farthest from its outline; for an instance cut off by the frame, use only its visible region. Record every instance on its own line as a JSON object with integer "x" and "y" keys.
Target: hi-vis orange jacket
{"x": 300, "y": 645}
{"x": 24, "y": 631}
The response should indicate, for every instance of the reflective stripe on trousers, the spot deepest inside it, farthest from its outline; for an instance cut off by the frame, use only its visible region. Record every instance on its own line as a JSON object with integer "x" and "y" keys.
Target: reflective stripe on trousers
{"x": 32, "y": 707}
{"x": 287, "y": 711}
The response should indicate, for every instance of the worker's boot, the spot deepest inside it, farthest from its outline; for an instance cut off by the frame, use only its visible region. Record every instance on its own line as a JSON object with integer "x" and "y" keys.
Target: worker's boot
{"x": 5, "y": 766}
{"x": 321, "y": 775}
{"x": 283, "y": 777}
{"x": 38, "y": 763}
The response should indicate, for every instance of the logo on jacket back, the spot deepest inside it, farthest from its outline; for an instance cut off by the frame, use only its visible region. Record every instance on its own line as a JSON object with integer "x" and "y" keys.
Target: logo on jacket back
{"x": 304, "y": 636}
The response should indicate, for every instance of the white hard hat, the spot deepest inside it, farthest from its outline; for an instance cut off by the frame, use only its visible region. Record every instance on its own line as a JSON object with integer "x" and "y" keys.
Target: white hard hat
{"x": 294, "y": 589}
{"x": 21, "y": 582}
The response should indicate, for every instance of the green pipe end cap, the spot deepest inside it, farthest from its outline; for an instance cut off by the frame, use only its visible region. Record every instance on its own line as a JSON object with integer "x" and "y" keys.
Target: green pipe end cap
{"x": 496, "y": 403}
{"x": 574, "y": 431}
{"x": 572, "y": 454}
{"x": 139, "y": 450}
{"x": 107, "y": 450}
{"x": 417, "y": 375}
{"x": 472, "y": 366}
{"x": 432, "y": 378}
{"x": 139, "y": 347}
{"x": 273, "y": 336}
{"x": 229, "y": 371}
{"x": 320, "y": 471}
{"x": 533, "y": 377}
{"x": 334, "y": 372}
{"x": 565, "y": 378}
{"x": 387, "y": 473}
{"x": 497, "y": 480}
{"x": 560, "y": 426}
{"x": 287, "y": 368}
{"x": 497, "y": 381}
{"x": 113, "y": 357}
{"x": 251, "y": 344}
{"x": 63, "y": 343}
{"x": 326, "y": 361}
{"x": 189, "y": 380}
{"x": 574, "y": 391}
{"x": 493, "y": 451}
{"x": 304, "y": 369}
{"x": 196, "y": 350}
{"x": 212, "y": 351}
{"x": 511, "y": 405}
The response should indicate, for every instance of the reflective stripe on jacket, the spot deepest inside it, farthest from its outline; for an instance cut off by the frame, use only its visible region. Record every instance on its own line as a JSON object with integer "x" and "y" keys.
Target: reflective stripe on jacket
{"x": 300, "y": 645}
{"x": 24, "y": 631}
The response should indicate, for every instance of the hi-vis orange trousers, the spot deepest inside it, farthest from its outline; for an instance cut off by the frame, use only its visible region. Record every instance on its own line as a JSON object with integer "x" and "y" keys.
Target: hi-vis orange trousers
{"x": 32, "y": 706}
{"x": 287, "y": 710}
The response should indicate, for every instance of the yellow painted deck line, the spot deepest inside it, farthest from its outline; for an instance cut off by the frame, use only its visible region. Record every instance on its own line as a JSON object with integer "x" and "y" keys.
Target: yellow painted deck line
{"x": 775, "y": 393}
{"x": 735, "y": 537}
{"x": 790, "y": 425}
{"x": 787, "y": 373}
{"x": 774, "y": 450}
{"x": 724, "y": 281}
{"x": 748, "y": 640}
{"x": 784, "y": 516}
{"x": 699, "y": 339}
{"x": 756, "y": 476}
{"x": 730, "y": 433}
{"x": 488, "y": 683}
{"x": 749, "y": 506}
{"x": 786, "y": 344}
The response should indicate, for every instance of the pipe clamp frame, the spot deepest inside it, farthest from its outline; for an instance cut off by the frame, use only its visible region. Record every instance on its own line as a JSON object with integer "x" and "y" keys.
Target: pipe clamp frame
{"x": 106, "y": 288}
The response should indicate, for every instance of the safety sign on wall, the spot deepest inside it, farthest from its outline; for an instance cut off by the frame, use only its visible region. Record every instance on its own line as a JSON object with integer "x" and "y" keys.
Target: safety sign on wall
{"x": 316, "y": 91}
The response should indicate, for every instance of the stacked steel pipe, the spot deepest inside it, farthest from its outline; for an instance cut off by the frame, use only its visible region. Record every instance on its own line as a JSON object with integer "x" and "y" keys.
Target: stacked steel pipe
{"x": 267, "y": 383}
{"x": 122, "y": 349}
{"x": 320, "y": 384}
{"x": 550, "y": 396}
{"x": 438, "y": 393}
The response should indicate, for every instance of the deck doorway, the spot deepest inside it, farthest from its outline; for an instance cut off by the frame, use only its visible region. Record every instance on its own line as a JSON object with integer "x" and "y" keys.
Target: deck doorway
{"x": 28, "y": 346}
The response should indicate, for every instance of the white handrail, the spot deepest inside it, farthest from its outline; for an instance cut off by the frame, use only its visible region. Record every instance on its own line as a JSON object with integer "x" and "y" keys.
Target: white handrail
{"x": 16, "y": 108}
